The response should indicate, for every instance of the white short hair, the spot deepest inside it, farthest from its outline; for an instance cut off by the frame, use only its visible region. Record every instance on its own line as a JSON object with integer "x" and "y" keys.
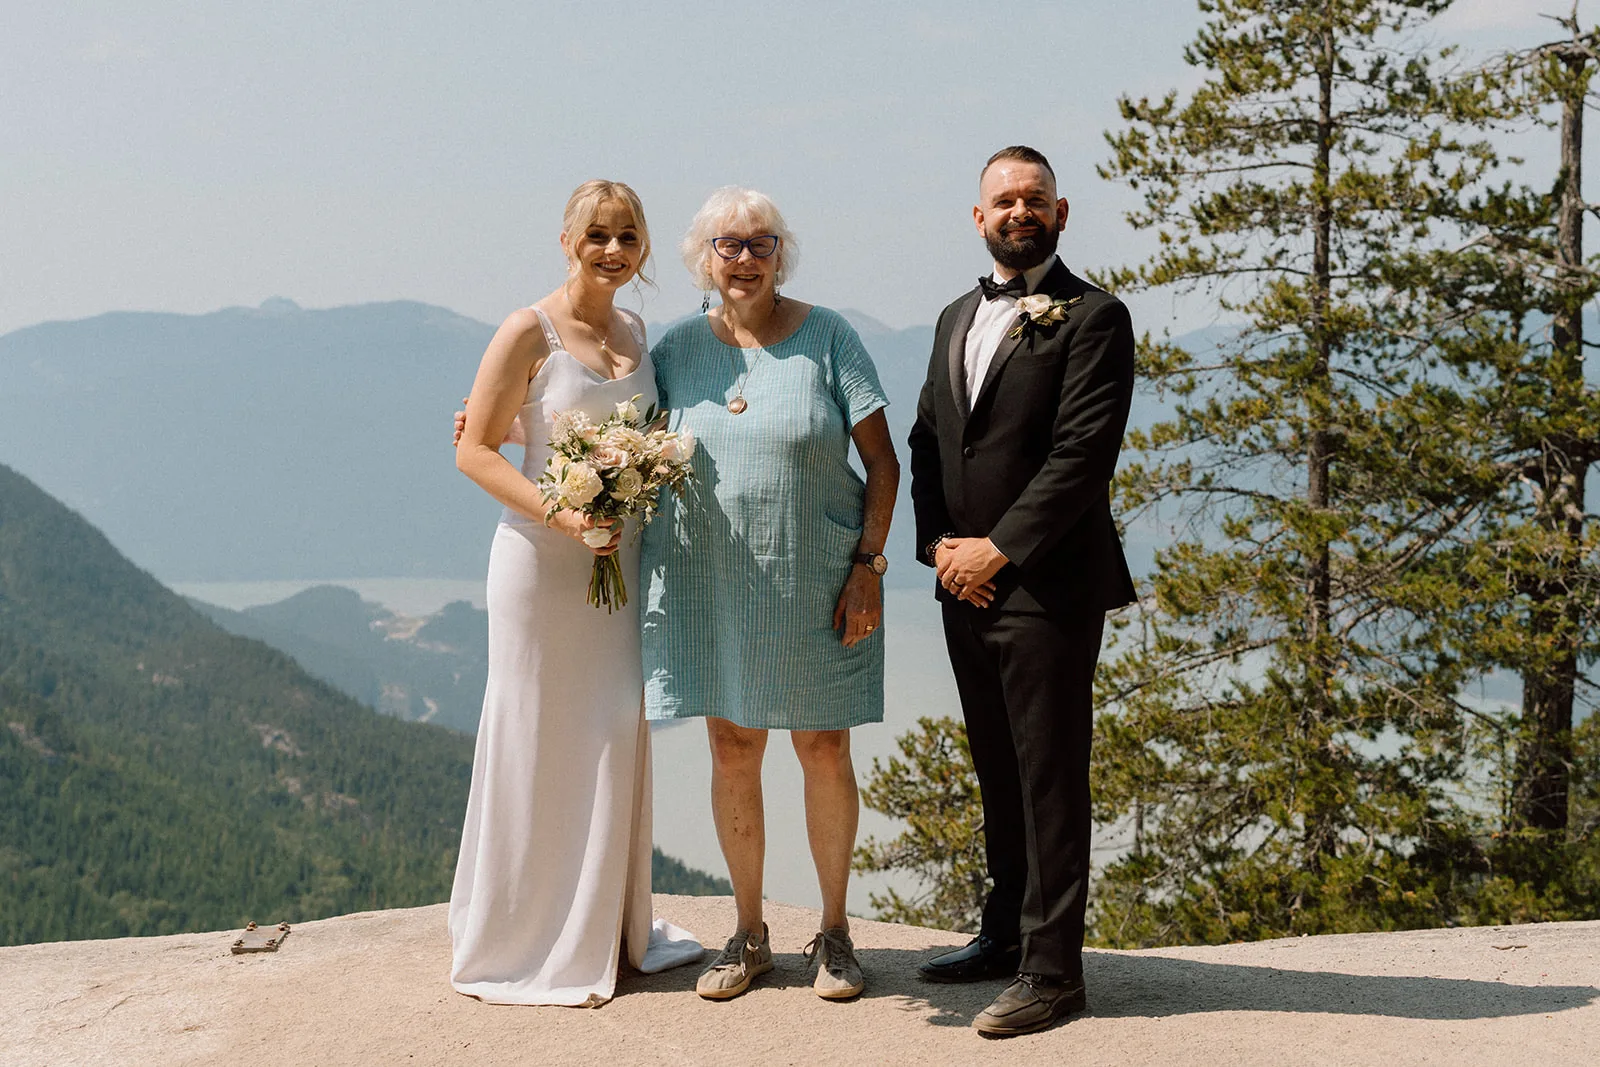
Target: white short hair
{"x": 735, "y": 206}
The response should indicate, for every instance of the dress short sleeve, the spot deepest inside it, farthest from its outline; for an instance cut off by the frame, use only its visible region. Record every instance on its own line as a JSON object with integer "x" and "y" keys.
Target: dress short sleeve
{"x": 855, "y": 379}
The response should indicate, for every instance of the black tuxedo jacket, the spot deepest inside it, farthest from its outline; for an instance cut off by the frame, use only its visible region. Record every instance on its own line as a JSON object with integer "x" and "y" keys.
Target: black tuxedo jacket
{"x": 1029, "y": 462}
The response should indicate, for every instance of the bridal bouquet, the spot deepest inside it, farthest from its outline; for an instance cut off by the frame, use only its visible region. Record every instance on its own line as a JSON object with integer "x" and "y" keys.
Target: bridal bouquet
{"x": 615, "y": 469}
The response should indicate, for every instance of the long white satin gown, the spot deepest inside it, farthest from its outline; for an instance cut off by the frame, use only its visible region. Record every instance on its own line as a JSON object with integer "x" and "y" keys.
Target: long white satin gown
{"x": 554, "y": 872}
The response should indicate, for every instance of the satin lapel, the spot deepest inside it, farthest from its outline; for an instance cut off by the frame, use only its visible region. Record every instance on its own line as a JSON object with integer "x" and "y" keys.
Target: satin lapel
{"x": 958, "y": 350}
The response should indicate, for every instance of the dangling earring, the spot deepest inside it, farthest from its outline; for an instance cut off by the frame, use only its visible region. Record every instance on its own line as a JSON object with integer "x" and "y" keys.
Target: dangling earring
{"x": 777, "y": 298}
{"x": 705, "y": 302}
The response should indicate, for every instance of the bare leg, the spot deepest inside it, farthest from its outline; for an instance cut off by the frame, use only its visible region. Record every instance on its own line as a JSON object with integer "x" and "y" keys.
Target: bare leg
{"x": 833, "y": 806}
{"x": 736, "y": 755}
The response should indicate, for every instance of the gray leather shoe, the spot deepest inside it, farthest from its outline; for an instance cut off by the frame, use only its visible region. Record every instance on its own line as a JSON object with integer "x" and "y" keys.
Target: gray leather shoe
{"x": 1030, "y": 1003}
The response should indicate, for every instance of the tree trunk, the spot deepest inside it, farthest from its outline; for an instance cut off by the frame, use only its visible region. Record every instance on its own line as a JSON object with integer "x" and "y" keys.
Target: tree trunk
{"x": 1320, "y": 838}
{"x": 1545, "y": 760}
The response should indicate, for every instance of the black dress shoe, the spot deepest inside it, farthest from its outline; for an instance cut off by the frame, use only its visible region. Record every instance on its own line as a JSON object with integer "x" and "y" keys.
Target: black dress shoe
{"x": 1030, "y": 1003}
{"x": 982, "y": 958}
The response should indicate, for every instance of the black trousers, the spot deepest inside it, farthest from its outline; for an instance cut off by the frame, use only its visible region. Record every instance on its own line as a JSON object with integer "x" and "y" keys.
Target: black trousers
{"x": 1026, "y": 685}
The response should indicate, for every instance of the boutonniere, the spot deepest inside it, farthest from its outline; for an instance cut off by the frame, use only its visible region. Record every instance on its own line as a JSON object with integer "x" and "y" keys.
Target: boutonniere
{"x": 1040, "y": 310}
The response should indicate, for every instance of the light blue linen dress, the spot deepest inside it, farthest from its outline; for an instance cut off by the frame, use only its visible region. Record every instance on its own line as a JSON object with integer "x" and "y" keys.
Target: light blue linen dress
{"x": 740, "y": 577}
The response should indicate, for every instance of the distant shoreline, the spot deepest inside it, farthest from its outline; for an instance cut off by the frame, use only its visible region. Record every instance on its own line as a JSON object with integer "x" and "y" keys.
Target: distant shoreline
{"x": 412, "y": 597}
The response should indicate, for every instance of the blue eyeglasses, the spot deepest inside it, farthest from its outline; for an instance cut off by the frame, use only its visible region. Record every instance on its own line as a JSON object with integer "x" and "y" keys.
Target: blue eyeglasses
{"x": 760, "y": 246}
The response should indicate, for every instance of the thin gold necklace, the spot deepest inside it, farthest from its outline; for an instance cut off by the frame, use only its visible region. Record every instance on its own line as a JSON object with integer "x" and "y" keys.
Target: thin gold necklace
{"x": 607, "y": 353}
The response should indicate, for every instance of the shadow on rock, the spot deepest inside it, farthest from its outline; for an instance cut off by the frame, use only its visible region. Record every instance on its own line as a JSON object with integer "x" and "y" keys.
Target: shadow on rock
{"x": 1153, "y": 986}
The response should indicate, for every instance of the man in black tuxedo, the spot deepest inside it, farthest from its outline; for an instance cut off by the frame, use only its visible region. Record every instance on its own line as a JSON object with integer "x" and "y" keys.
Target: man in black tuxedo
{"x": 1016, "y": 440}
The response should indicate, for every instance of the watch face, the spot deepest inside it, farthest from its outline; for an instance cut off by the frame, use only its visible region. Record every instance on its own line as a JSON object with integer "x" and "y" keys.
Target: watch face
{"x": 879, "y": 564}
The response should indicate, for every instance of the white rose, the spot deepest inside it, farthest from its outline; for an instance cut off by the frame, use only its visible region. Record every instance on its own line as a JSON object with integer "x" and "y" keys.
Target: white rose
{"x": 597, "y": 537}
{"x": 1031, "y": 306}
{"x": 609, "y": 456}
{"x": 580, "y": 486}
{"x": 628, "y": 484}
{"x": 626, "y": 409}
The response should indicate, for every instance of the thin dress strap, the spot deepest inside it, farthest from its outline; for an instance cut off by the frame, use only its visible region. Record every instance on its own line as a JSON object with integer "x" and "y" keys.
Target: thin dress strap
{"x": 552, "y": 338}
{"x": 636, "y": 327}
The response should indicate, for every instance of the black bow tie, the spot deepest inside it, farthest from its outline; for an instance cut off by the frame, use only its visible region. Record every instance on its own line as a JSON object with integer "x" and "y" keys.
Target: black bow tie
{"x": 993, "y": 290}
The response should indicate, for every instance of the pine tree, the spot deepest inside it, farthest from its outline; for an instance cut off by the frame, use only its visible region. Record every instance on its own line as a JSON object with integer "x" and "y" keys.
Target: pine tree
{"x": 1510, "y": 300}
{"x": 933, "y": 790}
{"x": 1283, "y": 730}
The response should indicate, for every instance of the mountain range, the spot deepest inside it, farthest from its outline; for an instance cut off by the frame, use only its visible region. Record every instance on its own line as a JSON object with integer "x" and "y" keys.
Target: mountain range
{"x": 158, "y": 774}
{"x": 281, "y": 442}
{"x": 430, "y": 669}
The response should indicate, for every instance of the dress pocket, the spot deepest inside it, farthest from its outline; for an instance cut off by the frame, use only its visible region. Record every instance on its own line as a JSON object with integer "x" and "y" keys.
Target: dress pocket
{"x": 837, "y": 538}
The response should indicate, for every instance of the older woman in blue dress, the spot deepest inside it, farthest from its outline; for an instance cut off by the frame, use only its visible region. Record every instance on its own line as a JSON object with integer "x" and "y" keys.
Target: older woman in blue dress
{"x": 761, "y": 589}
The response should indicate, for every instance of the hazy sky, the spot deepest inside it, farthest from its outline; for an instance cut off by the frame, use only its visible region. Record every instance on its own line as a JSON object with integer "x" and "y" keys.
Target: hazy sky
{"x": 190, "y": 156}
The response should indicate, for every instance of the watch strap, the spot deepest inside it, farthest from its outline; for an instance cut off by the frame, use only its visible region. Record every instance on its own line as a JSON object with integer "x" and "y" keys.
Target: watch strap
{"x": 873, "y": 561}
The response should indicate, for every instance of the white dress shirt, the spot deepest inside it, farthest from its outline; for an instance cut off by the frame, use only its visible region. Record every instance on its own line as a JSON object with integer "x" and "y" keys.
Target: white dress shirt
{"x": 989, "y": 325}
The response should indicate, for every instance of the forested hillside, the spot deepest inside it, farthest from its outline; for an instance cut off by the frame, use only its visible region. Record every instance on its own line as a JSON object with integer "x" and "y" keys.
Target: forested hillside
{"x": 428, "y": 669}
{"x": 158, "y": 774}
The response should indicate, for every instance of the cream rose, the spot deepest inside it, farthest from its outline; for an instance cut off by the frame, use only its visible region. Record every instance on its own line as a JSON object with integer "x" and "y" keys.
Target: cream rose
{"x": 580, "y": 486}
{"x": 628, "y": 484}
{"x": 1039, "y": 310}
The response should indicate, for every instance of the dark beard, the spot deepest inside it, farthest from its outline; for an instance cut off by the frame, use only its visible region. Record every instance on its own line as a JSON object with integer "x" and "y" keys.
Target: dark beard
{"x": 1025, "y": 253}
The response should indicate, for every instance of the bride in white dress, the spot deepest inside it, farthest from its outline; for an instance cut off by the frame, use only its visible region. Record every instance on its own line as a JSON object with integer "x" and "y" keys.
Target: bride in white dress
{"x": 554, "y": 874}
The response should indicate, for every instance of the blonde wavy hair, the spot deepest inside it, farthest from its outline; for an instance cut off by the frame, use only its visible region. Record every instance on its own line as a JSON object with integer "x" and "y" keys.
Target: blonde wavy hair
{"x": 731, "y": 206}
{"x": 583, "y": 206}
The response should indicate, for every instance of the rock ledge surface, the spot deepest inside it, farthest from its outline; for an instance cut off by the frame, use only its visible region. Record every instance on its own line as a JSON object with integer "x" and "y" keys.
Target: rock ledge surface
{"x": 373, "y": 988}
